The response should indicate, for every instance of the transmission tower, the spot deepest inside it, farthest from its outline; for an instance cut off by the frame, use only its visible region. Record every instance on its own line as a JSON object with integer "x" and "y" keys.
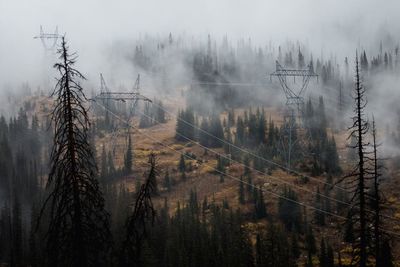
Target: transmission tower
{"x": 133, "y": 97}
{"x": 294, "y": 97}
{"x": 293, "y": 113}
{"x": 103, "y": 85}
{"x": 49, "y": 40}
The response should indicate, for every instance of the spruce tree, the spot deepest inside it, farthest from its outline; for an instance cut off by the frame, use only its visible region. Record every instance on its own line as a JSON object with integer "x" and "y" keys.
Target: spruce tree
{"x": 182, "y": 164}
{"x": 103, "y": 169}
{"x": 128, "y": 160}
{"x": 167, "y": 181}
{"x": 323, "y": 258}
{"x": 261, "y": 210}
{"x": 319, "y": 213}
{"x": 241, "y": 191}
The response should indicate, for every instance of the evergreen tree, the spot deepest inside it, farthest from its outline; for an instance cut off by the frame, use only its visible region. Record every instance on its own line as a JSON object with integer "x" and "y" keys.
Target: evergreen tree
{"x": 310, "y": 245}
{"x": 323, "y": 257}
{"x": 288, "y": 210}
{"x": 319, "y": 214}
{"x": 216, "y": 131}
{"x": 160, "y": 113}
{"x": 203, "y": 136}
{"x": 386, "y": 254}
{"x": 261, "y": 210}
{"x": 111, "y": 167}
{"x": 182, "y": 164}
{"x": 241, "y": 191}
{"x": 240, "y": 131}
{"x": 330, "y": 262}
{"x": 167, "y": 181}
{"x": 128, "y": 160}
{"x": 295, "y": 248}
{"x": 16, "y": 233}
{"x": 103, "y": 168}
{"x": 185, "y": 125}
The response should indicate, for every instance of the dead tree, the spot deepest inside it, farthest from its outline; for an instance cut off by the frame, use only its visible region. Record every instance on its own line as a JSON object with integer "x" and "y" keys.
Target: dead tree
{"x": 142, "y": 217}
{"x": 357, "y": 179}
{"x": 78, "y": 225}
{"x": 377, "y": 201}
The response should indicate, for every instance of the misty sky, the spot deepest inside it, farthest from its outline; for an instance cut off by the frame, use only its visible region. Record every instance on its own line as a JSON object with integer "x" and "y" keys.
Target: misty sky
{"x": 92, "y": 25}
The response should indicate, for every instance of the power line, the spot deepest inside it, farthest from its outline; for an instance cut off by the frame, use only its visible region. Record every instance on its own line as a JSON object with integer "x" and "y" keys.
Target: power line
{"x": 262, "y": 173}
{"x": 255, "y": 155}
{"x": 251, "y": 153}
{"x": 235, "y": 178}
{"x": 251, "y": 168}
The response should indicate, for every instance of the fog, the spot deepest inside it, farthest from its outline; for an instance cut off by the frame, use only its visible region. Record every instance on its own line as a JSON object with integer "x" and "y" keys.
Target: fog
{"x": 104, "y": 34}
{"x": 330, "y": 27}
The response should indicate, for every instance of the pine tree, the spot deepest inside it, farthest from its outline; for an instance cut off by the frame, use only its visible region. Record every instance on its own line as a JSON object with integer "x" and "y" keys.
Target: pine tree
{"x": 216, "y": 131}
{"x": 330, "y": 257}
{"x": 231, "y": 117}
{"x": 246, "y": 162}
{"x": 128, "y": 160}
{"x": 110, "y": 163}
{"x": 184, "y": 125}
{"x": 310, "y": 245}
{"x": 241, "y": 191}
{"x": 295, "y": 248}
{"x": 323, "y": 258}
{"x": 240, "y": 131}
{"x": 167, "y": 181}
{"x": 249, "y": 186}
{"x": 103, "y": 169}
{"x": 319, "y": 214}
{"x": 203, "y": 136}
{"x": 182, "y": 164}
{"x": 288, "y": 210}
{"x": 160, "y": 113}
{"x": 261, "y": 210}
{"x": 78, "y": 232}
{"x": 183, "y": 176}
{"x": 260, "y": 253}
{"x": 386, "y": 254}
{"x": 16, "y": 233}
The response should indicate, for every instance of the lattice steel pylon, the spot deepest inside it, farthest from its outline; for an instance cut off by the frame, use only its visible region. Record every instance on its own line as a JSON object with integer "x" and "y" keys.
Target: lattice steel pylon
{"x": 49, "y": 40}
{"x": 133, "y": 97}
{"x": 294, "y": 96}
{"x": 293, "y": 113}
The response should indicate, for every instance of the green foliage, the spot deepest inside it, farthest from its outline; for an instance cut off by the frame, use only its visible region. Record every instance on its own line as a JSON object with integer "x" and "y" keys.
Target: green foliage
{"x": 182, "y": 164}
{"x": 319, "y": 213}
{"x": 128, "y": 159}
{"x": 152, "y": 114}
{"x": 241, "y": 191}
{"x": 259, "y": 205}
{"x": 184, "y": 125}
{"x": 273, "y": 249}
{"x": 289, "y": 211}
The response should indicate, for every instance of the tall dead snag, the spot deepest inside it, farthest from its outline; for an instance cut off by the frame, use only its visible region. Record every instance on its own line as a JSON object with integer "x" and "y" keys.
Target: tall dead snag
{"x": 78, "y": 232}
{"x": 357, "y": 179}
{"x": 381, "y": 245}
{"x": 137, "y": 224}
{"x": 376, "y": 198}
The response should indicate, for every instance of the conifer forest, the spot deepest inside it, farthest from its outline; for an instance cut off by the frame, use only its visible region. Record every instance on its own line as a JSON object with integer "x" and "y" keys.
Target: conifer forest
{"x": 200, "y": 133}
